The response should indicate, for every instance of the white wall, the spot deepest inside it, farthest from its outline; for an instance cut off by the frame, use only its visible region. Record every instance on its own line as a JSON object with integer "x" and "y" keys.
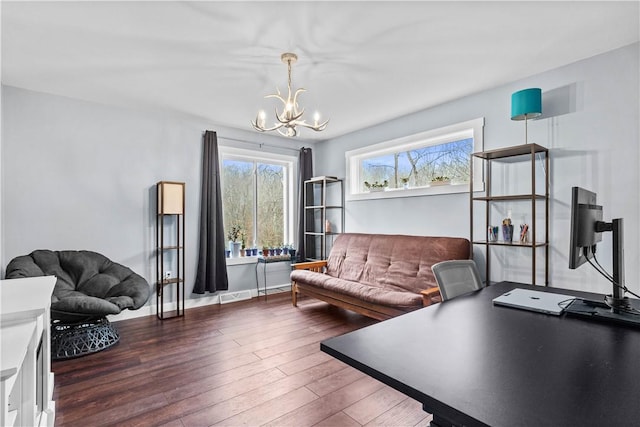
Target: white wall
{"x": 78, "y": 175}
{"x": 590, "y": 125}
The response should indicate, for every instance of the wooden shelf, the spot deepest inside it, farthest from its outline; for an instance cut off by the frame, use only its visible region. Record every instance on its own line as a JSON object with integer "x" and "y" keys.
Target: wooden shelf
{"x": 170, "y": 281}
{"x": 514, "y": 243}
{"x": 525, "y": 197}
{"x": 518, "y": 150}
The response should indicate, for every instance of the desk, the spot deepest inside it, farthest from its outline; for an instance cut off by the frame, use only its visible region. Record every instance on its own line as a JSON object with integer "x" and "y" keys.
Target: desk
{"x": 471, "y": 363}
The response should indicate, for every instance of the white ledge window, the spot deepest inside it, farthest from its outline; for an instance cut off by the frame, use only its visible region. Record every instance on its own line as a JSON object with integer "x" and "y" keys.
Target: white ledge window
{"x": 432, "y": 162}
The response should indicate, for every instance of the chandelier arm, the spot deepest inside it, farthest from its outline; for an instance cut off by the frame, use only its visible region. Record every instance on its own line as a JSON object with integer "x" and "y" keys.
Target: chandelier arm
{"x": 317, "y": 128}
{"x": 295, "y": 97}
{"x": 291, "y": 132}
{"x": 292, "y": 119}
{"x": 273, "y": 95}
{"x": 257, "y": 127}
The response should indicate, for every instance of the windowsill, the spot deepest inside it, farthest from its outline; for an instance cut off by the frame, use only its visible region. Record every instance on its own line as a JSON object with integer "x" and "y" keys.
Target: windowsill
{"x": 242, "y": 260}
{"x": 411, "y": 192}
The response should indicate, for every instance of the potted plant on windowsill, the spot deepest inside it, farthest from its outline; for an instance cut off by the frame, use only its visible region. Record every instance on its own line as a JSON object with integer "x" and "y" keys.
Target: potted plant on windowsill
{"x": 440, "y": 180}
{"x": 376, "y": 186}
{"x": 233, "y": 236}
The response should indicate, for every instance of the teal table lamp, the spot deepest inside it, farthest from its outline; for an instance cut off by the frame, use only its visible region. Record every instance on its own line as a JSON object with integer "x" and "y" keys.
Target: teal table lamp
{"x": 526, "y": 104}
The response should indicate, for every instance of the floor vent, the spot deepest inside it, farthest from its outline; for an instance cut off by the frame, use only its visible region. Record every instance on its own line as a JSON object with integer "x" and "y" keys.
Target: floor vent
{"x": 228, "y": 297}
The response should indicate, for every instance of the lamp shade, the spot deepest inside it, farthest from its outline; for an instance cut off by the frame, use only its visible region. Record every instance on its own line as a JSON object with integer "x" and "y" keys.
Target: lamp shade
{"x": 526, "y": 104}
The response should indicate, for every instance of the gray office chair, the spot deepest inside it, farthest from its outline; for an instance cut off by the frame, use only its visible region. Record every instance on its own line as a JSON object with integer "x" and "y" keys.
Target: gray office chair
{"x": 457, "y": 277}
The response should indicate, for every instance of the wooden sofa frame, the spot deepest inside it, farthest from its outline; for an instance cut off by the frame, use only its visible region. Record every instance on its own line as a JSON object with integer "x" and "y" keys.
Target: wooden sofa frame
{"x": 380, "y": 312}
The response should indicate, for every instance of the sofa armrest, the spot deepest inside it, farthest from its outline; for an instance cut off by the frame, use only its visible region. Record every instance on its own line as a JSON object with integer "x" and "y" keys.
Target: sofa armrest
{"x": 312, "y": 266}
{"x": 430, "y": 296}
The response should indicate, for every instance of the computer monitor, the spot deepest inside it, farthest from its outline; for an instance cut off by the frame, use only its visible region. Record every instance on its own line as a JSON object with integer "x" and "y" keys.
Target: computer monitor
{"x": 585, "y": 214}
{"x": 587, "y": 227}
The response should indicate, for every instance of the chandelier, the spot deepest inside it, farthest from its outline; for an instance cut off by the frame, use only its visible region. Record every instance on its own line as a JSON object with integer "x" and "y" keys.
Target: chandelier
{"x": 291, "y": 116}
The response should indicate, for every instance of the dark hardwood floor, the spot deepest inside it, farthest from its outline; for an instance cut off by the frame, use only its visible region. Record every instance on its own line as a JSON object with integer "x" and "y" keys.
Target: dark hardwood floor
{"x": 246, "y": 363}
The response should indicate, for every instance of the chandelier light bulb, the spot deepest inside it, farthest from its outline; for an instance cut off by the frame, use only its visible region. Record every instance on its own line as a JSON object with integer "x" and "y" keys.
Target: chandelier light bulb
{"x": 290, "y": 117}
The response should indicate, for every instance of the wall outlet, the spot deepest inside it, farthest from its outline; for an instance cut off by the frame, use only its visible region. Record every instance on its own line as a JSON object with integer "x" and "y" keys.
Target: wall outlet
{"x": 167, "y": 274}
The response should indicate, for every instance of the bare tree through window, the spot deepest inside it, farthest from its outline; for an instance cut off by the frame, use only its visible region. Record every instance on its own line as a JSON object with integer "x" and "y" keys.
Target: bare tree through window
{"x": 254, "y": 199}
{"x": 420, "y": 166}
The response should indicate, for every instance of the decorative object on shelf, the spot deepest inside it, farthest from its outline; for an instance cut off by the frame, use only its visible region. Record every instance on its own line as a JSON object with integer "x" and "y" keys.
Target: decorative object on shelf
{"x": 405, "y": 182}
{"x": 376, "y": 186}
{"x": 507, "y": 230}
{"x": 526, "y": 104}
{"x": 291, "y": 115}
{"x": 441, "y": 180}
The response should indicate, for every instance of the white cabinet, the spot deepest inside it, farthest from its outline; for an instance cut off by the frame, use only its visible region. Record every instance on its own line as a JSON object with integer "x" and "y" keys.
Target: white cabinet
{"x": 26, "y": 380}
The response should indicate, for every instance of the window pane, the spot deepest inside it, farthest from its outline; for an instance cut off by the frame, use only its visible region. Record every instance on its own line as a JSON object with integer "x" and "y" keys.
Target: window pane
{"x": 237, "y": 196}
{"x": 271, "y": 202}
{"x": 420, "y": 166}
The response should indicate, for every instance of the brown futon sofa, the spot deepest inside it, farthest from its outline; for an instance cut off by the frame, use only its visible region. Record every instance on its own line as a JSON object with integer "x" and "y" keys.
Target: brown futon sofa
{"x": 378, "y": 275}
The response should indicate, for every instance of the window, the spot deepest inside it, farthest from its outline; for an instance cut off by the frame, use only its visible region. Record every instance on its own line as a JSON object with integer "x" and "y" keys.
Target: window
{"x": 257, "y": 196}
{"x": 432, "y": 162}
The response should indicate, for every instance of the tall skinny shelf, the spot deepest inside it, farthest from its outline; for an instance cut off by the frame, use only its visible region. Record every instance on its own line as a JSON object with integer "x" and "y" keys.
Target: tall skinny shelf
{"x": 517, "y": 154}
{"x": 324, "y": 215}
{"x": 170, "y": 246}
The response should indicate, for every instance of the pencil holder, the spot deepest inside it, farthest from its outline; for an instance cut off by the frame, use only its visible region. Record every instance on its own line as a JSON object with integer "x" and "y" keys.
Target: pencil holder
{"x": 507, "y": 233}
{"x": 492, "y": 233}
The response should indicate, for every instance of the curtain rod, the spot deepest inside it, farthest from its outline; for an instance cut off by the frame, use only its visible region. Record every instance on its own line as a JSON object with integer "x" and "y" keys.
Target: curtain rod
{"x": 261, "y": 144}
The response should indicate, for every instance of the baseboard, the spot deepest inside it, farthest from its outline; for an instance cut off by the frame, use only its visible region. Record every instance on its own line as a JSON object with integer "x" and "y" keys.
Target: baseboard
{"x": 218, "y": 298}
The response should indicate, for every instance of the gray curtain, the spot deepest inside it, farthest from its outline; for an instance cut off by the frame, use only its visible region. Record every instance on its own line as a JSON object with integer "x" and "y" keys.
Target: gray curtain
{"x": 305, "y": 172}
{"x": 211, "y": 275}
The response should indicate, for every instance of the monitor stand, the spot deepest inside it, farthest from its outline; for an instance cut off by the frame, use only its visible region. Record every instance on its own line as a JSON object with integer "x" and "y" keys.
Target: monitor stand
{"x": 600, "y": 311}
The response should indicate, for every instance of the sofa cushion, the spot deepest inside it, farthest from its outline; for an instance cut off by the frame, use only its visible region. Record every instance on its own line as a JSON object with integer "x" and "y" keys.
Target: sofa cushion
{"x": 392, "y": 262}
{"x": 371, "y": 293}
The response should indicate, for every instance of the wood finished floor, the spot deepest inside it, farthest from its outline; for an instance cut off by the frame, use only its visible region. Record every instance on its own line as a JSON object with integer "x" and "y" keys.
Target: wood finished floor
{"x": 248, "y": 363}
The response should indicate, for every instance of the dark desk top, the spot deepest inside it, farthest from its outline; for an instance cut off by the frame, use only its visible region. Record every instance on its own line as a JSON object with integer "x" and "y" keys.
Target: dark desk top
{"x": 479, "y": 364}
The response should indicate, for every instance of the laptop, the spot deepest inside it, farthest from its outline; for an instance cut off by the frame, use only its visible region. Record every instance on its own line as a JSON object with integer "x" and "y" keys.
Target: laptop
{"x": 542, "y": 302}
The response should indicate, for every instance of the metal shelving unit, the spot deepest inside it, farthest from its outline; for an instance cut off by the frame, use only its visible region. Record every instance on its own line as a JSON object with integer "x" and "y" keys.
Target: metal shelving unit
{"x": 324, "y": 201}
{"x": 524, "y": 154}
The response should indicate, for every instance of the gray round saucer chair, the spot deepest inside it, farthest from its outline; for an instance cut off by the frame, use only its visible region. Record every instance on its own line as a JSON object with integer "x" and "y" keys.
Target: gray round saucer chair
{"x": 89, "y": 287}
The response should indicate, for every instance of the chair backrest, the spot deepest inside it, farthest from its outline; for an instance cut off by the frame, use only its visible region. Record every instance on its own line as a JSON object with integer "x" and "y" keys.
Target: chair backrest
{"x": 456, "y": 277}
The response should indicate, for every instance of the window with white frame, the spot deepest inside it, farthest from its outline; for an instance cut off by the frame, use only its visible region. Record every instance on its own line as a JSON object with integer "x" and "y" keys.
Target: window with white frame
{"x": 257, "y": 196}
{"x": 431, "y": 162}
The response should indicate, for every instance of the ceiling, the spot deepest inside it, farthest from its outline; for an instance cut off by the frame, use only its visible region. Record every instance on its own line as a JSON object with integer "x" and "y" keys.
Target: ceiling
{"x": 361, "y": 62}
